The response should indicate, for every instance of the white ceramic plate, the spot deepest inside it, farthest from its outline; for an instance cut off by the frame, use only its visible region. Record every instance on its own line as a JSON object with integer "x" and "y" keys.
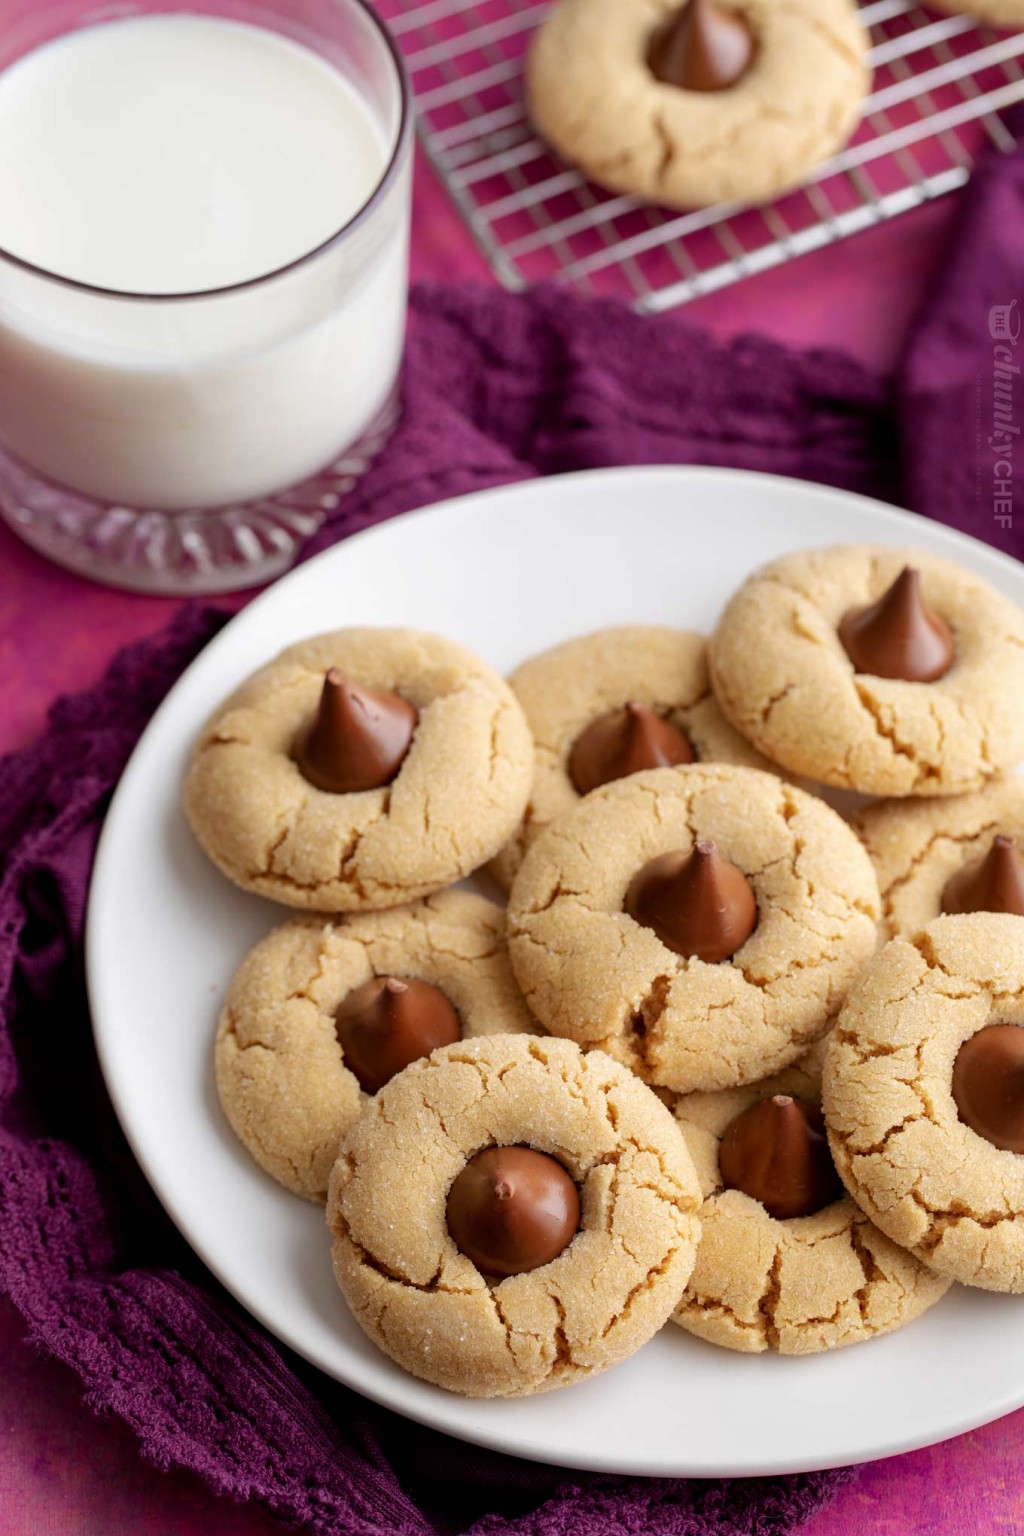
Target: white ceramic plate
{"x": 508, "y": 572}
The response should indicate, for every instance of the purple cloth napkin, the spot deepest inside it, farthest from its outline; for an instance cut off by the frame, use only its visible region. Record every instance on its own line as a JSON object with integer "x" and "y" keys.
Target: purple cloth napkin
{"x": 497, "y": 388}
{"x": 961, "y": 393}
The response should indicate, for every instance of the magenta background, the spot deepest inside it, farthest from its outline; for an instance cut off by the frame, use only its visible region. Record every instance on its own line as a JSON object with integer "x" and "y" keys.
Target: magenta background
{"x": 63, "y": 1471}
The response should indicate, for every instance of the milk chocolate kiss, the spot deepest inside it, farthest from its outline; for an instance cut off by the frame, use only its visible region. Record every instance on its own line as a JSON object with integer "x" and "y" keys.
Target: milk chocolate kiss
{"x": 697, "y": 903}
{"x": 899, "y": 636}
{"x": 623, "y": 742}
{"x": 388, "y": 1022}
{"x": 777, "y": 1152}
{"x": 512, "y": 1209}
{"x": 993, "y": 883}
{"x": 988, "y": 1085}
{"x": 357, "y": 739}
{"x": 704, "y": 47}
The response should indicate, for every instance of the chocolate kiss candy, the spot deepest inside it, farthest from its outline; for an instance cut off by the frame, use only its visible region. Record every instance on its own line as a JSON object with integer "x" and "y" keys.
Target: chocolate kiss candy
{"x": 512, "y": 1209}
{"x": 704, "y": 47}
{"x": 899, "y": 636}
{"x": 697, "y": 903}
{"x": 988, "y": 1085}
{"x": 623, "y": 742}
{"x": 358, "y": 738}
{"x": 993, "y": 883}
{"x": 387, "y": 1022}
{"x": 777, "y": 1152}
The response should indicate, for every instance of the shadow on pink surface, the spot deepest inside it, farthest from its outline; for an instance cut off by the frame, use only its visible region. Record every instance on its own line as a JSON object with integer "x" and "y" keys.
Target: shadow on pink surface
{"x": 65, "y": 1473}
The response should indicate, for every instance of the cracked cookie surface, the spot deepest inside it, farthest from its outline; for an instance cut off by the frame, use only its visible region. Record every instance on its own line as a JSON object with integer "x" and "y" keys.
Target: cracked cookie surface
{"x": 782, "y": 676}
{"x": 916, "y": 847}
{"x": 593, "y": 96}
{"x": 426, "y": 1304}
{"x": 457, "y": 797}
{"x": 564, "y": 689}
{"x": 796, "y": 1286}
{"x": 931, "y": 1183}
{"x": 280, "y": 1069}
{"x": 590, "y": 972}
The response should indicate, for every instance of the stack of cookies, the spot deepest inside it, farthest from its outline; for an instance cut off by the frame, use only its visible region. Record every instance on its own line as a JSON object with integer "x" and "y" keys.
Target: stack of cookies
{"x": 729, "y": 1057}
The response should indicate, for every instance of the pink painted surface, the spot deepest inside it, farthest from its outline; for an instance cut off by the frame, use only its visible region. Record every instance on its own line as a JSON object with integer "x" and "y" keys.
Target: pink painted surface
{"x": 62, "y": 1471}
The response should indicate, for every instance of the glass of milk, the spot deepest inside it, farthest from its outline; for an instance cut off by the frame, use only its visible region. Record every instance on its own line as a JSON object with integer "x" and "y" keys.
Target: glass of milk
{"x": 204, "y": 214}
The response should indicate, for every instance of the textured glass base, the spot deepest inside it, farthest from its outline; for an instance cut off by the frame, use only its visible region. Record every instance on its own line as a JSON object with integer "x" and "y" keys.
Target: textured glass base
{"x": 190, "y": 552}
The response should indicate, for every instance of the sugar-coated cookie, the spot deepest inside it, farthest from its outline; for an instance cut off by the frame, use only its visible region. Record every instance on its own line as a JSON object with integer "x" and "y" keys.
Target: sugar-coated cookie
{"x": 783, "y": 674}
{"x": 431, "y": 740}
{"x": 283, "y": 1076}
{"x": 619, "y": 678}
{"x": 949, "y": 854}
{"x": 780, "y": 895}
{"x": 795, "y": 1283}
{"x": 651, "y": 97}
{"x": 605, "y": 1221}
{"x": 924, "y": 1101}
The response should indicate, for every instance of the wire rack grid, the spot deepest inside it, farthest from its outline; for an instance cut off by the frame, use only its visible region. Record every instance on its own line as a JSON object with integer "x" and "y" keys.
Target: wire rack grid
{"x": 939, "y": 85}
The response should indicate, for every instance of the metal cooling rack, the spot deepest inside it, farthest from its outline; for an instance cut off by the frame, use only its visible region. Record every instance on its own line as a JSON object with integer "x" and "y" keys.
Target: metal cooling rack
{"x": 939, "y": 84}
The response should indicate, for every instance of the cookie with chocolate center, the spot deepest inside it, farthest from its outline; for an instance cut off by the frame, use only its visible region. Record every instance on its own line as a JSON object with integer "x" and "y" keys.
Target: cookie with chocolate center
{"x": 510, "y": 1216}
{"x": 786, "y": 1261}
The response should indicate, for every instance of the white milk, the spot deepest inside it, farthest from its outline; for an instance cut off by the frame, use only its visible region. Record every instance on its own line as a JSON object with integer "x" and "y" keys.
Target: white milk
{"x": 180, "y": 154}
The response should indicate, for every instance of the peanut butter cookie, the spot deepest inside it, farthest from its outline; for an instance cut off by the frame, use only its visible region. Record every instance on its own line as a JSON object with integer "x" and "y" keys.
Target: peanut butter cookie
{"x": 998, "y": 13}
{"x": 702, "y": 103}
{"x": 924, "y": 1096}
{"x": 955, "y": 854}
{"x": 874, "y": 669}
{"x": 701, "y": 924}
{"x": 786, "y": 1260}
{"x": 309, "y": 1026}
{"x": 510, "y": 1215}
{"x": 360, "y": 770}
{"x": 609, "y": 704}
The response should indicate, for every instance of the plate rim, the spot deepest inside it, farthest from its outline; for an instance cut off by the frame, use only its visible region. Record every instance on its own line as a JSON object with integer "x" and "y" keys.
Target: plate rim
{"x": 901, "y": 519}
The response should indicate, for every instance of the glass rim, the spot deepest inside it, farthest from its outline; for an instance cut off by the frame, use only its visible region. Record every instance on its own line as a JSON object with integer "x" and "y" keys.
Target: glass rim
{"x": 362, "y": 213}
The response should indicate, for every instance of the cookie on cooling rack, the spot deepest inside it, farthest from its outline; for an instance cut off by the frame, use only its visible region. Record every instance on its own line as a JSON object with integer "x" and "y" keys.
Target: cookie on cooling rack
{"x": 700, "y": 103}
{"x": 1001, "y": 13}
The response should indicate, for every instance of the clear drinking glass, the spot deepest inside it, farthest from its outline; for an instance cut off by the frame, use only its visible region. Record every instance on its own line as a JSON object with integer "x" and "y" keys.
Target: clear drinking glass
{"x": 190, "y": 442}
